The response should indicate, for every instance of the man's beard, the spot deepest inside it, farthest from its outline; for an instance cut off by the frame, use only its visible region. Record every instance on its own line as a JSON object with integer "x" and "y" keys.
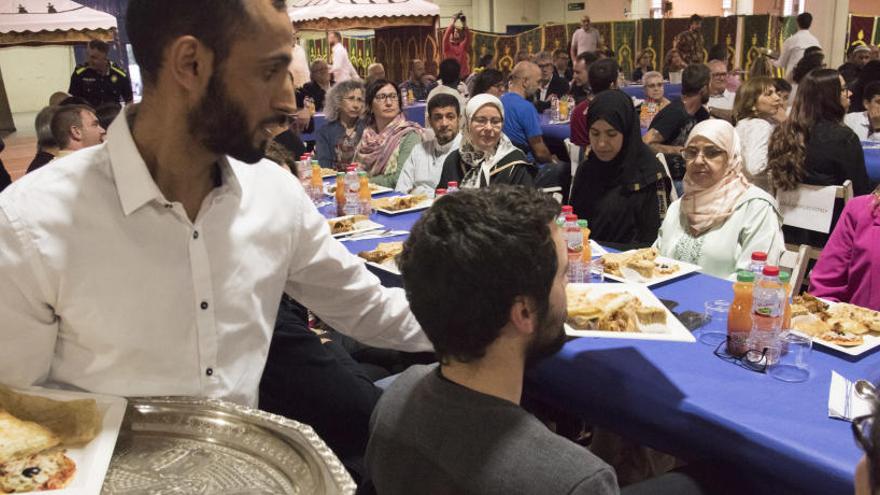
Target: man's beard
{"x": 442, "y": 140}
{"x": 549, "y": 338}
{"x": 220, "y": 125}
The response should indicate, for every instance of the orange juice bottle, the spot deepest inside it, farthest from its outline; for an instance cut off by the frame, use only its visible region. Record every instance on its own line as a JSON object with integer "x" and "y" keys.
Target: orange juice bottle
{"x": 587, "y": 253}
{"x": 364, "y": 196}
{"x": 317, "y": 185}
{"x": 340, "y": 194}
{"x": 739, "y": 319}
{"x": 785, "y": 278}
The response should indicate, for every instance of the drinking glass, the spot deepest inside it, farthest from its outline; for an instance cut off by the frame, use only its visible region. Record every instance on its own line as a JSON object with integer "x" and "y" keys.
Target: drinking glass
{"x": 793, "y": 365}
{"x": 597, "y": 271}
{"x": 714, "y": 329}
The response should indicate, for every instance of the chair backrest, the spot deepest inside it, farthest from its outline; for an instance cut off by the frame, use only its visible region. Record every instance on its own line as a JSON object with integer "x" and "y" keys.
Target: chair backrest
{"x": 555, "y": 191}
{"x": 574, "y": 158}
{"x": 673, "y": 194}
{"x": 796, "y": 261}
{"x": 812, "y": 207}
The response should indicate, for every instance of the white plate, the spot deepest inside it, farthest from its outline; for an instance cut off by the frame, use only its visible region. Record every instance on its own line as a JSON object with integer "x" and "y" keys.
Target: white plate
{"x": 634, "y": 278}
{"x": 93, "y": 458}
{"x": 596, "y": 250}
{"x": 330, "y": 189}
{"x": 426, "y": 203}
{"x": 362, "y": 226}
{"x": 389, "y": 266}
{"x": 673, "y": 330}
{"x": 870, "y": 340}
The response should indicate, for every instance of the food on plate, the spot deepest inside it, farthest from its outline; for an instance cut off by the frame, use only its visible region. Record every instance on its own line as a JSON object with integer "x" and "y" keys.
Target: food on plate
{"x": 839, "y": 323}
{"x": 75, "y": 422}
{"x": 328, "y": 172}
{"x": 22, "y": 438}
{"x": 612, "y": 311}
{"x": 642, "y": 261}
{"x": 47, "y": 470}
{"x": 397, "y": 203}
{"x": 385, "y": 251}
{"x": 345, "y": 224}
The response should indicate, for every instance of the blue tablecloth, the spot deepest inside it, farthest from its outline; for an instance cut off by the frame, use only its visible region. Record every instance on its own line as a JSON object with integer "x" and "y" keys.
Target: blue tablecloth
{"x": 681, "y": 398}
{"x": 672, "y": 91}
{"x": 872, "y": 161}
{"x": 414, "y": 113}
{"x": 559, "y": 132}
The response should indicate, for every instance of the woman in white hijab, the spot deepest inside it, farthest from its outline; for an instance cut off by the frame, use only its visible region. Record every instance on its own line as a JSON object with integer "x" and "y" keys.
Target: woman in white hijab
{"x": 486, "y": 155}
{"x": 721, "y": 218}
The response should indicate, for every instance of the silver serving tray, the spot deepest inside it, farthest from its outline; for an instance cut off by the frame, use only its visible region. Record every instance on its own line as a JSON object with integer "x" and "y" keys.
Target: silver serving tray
{"x": 173, "y": 445}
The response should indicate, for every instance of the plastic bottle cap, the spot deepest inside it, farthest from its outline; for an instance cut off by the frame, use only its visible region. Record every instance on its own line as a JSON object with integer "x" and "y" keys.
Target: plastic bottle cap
{"x": 771, "y": 271}
{"x": 362, "y": 174}
{"x": 784, "y": 276}
{"x": 571, "y": 217}
{"x": 340, "y": 174}
{"x": 440, "y": 192}
{"x": 567, "y": 209}
{"x": 745, "y": 276}
{"x": 759, "y": 256}
{"x": 452, "y": 184}
{"x": 351, "y": 168}
{"x": 582, "y": 224}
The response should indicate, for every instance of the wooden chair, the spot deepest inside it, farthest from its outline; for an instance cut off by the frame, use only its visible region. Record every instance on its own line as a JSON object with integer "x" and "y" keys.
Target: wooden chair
{"x": 795, "y": 261}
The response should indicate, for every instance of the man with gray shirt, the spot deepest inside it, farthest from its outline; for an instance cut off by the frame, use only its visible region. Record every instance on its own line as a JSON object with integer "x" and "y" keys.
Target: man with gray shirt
{"x": 485, "y": 273}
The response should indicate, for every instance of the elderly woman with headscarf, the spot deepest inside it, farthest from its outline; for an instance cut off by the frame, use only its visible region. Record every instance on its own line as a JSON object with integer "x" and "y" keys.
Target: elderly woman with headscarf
{"x": 486, "y": 156}
{"x": 722, "y": 218}
{"x": 388, "y": 138}
{"x": 620, "y": 189}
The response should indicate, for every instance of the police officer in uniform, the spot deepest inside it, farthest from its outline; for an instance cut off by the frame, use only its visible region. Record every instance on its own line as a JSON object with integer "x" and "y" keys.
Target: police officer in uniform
{"x": 99, "y": 80}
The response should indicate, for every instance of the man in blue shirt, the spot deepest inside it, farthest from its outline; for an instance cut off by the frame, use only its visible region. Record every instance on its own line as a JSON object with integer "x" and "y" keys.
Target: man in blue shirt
{"x": 521, "y": 122}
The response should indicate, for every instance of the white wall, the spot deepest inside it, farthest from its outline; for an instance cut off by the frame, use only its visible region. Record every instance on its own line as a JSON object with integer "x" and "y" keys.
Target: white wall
{"x": 829, "y": 26}
{"x": 32, "y": 73}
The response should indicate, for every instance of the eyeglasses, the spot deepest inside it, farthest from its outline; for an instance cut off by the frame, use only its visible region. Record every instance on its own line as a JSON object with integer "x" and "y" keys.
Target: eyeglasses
{"x": 484, "y": 122}
{"x": 752, "y": 360}
{"x": 653, "y": 86}
{"x": 545, "y": 66}
{"x": 709, "y": 153}
{"x": 719, "y": 75}
{"x": 386, "y": 97}
{"x": 355, "y": 99}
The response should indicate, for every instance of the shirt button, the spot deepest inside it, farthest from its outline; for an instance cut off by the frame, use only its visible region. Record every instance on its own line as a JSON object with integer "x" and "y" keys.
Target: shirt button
{"x": 209, "y": 371}
{"x": 195, "y": 234}
{"x": 204, "y": 305}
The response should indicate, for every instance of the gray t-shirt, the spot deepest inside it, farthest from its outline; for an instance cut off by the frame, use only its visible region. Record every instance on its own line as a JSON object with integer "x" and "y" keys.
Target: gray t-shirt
{"x": 432, "y": 436}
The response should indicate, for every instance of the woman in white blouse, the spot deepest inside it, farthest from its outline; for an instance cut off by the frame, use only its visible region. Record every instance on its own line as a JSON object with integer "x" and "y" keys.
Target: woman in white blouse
{"x": 756, "y": 106}
{"x": 721, "y": 219}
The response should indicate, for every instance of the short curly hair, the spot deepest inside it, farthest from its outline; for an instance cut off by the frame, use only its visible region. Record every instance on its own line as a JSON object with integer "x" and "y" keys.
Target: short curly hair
{"x": 333, "y": 101}
{"x": 470, "y": 257}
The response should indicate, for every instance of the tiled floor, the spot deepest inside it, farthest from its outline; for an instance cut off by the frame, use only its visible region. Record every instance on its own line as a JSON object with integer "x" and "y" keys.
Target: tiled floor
{"x": 21, "y": 146}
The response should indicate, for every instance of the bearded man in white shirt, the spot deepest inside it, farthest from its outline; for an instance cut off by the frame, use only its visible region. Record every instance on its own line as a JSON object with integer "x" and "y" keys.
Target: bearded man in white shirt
{"x": 342, "y": 69}
{"x": 421, "y": 172}
{"x": 154, "y": 264}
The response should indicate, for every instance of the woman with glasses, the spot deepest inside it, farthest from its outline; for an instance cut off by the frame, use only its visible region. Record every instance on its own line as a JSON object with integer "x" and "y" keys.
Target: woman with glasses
{"x": 620, "y": 189}
{"x": 336, "y": 141}
{"x": 721, "y": 219}
{"x": 815, "y": 147}
{"x": 755, "y": 111}
{"x": 654, "y": 98}
{"x": 388, "y": 138}
{"x": 489, "y": 81}
{"x": 486, "y": 156}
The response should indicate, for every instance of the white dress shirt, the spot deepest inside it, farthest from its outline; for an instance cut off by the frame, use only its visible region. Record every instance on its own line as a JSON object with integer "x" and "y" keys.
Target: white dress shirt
{"x": 793, "y": 50}
{"x": 422, "y": 170}
{"x": 724, "y": 101}
{"x": 342, "y": 69}
{"x": 861, "y": 125}
{"x": 108, "y": 287}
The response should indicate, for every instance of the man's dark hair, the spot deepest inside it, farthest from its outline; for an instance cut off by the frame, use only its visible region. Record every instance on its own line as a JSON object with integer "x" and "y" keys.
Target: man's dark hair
{"x": 153, "y": 24}
{"x": 696, "y": 18}
{"x": 871, "y": 90}
{"x": 718, "y": 52}
{"x": 99, "y": 45}
{"x": 485, "y": 60}
{"x": 603, "y": 74}
{"x": 559, "y": 52}
{"x": 443, "y": 100}
{"x": 43, "y": 126}
{"x": 66, "y": 117}
{"x": 337, "y": 34}
{"x": 805, "y": 20}
{"x": 450, "y": 71}
{"x": 781, "y": 85}
{"x": 851, "y": 50}
{"x": 694, "y": 78}
{"x": 73, "y": 100}
{"x": 811, "y": 50}
{"x": 485, "y": 80}
{"x": 373, "y": 89}
{"x": 588, "y": 57}
{"x": 106, "y": 112}
{"x": 806, "y": 65}
{"x": 470, "y": 257}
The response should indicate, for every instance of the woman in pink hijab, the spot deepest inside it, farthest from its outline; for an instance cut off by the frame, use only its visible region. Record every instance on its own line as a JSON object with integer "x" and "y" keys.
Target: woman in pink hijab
{"x": 721, "y": 218}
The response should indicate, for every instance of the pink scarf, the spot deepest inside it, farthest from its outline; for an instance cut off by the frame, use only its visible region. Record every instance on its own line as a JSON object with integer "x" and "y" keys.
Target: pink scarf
{"x": 705, "y": 208}
{"x": 376, "y": 148}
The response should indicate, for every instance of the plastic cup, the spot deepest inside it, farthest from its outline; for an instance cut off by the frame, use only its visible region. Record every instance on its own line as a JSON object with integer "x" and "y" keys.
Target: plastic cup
{"x": 597, "y": 271}
{"x": 793, "y": 365}
{"x": 714, "y": 331}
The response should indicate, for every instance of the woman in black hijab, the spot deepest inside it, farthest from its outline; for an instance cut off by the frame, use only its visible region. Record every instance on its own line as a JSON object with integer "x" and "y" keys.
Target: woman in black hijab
{"x": 620, "y": 189}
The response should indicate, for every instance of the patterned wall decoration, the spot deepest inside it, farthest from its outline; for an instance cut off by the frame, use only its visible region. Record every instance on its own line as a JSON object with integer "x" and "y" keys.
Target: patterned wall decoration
{"x": 623, "y": 42}
{"x": 757, "y": 33}
{"x": 556, "y": 37}
{"x": 862, "y": 30}
{"x": 360, "y": 51}
{"x": 395, "y": 47}
{"x": 651, "y": 36}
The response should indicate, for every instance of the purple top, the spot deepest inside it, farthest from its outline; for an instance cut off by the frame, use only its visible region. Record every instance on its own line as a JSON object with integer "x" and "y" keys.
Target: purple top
{"x": 849, "y": 268}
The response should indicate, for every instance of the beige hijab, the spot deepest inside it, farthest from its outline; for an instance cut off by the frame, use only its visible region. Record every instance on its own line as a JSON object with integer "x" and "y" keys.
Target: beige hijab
{"x": 704, "y": 208}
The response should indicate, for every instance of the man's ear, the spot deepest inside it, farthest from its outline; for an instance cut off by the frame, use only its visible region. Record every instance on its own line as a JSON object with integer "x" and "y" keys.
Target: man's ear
{"x": 76, "y": 133}
{"x": 523, "y": 316}
{"x": 191, "y": 63}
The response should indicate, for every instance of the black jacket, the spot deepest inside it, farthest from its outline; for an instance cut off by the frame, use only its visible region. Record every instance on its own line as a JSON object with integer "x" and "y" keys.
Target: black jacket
{"x": 558, "y": 86}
